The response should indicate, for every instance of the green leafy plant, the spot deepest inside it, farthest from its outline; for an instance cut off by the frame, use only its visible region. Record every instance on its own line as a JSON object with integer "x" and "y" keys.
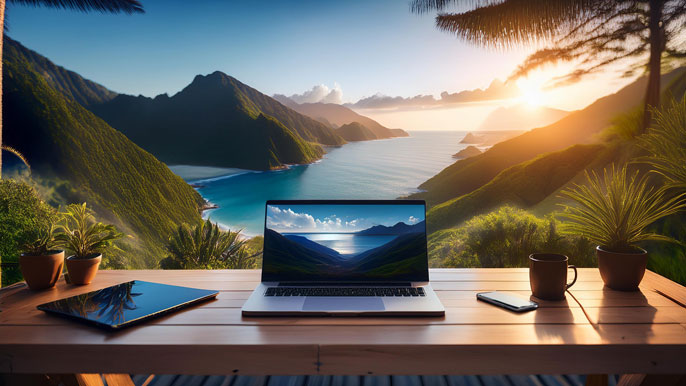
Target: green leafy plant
{"x": 205, "y": 246}
{"x": 666, "y": 144}
{"x": 42, "y": 241}
{"x": 82, "y": 235}
{"x": 615, "y": 211}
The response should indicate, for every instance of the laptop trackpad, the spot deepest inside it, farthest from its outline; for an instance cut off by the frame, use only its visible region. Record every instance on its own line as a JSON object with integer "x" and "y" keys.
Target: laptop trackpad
{"x": 324, "y": 303}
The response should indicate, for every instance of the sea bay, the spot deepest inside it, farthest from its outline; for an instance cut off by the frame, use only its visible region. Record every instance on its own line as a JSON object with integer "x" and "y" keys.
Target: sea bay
{"x": 380, "y": 169}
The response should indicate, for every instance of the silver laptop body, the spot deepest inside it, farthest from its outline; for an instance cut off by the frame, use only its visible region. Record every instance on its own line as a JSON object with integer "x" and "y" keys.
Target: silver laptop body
{"x": 344, "y": 258}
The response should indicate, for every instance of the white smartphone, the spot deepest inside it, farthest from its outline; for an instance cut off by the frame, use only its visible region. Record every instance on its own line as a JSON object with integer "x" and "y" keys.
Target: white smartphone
{"x": 508, "y": 300}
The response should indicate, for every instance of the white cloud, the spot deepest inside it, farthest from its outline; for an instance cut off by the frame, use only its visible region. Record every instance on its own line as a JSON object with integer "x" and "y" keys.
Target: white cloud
{"x": 320, "y": 93}
{"x": 495, "y": 91}
{"x": 287, "y": 220}
{"x": 412, "y": 220}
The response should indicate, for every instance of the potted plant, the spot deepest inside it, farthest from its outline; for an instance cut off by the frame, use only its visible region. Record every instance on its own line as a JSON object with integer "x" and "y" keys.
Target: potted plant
{"x": 614, "y": 212}
{"x": 42, "y": 261}
{"x": 87, "y": 240}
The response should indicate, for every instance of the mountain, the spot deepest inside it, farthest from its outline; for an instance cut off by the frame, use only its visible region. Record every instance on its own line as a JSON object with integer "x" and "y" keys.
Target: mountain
{"x": 467, "y": 175}
{"x": 523, "y": 185}
{"x": 399, "y": 133}
{"x": 400, "y": 259}
{"x": 304, "y": 259}
{"x": 521, "y": 117}
{"x": 305, "y": 242}
{"x": 284, "y": 253}
{"x": 218, "y": 121}
{"x": 397, "y": 229}
{"x": 84, "y": 159}
{"x": 334, "y": 115}
{"x": 67, "y": 82}
{"x": 355, "y": 131}
{"x": 469, "y": 151}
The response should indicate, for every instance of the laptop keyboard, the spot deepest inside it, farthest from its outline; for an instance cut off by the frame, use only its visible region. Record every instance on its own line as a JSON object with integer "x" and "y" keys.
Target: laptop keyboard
{"x": 344, "y": 291}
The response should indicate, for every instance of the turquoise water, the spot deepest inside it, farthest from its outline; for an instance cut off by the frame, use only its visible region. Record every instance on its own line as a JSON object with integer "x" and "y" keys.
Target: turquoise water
{"x": 381, "y": 169}
{"x": 347, "y": 243}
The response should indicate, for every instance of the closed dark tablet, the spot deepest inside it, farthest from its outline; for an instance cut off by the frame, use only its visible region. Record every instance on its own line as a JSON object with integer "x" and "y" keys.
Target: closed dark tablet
{"x": 126, "y": 304}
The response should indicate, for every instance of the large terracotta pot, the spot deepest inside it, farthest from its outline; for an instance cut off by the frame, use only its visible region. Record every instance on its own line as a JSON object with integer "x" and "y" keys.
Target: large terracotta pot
{"x": 622, "y": 271}
{"x": 83, "y": 270}
{"x": 41, "y": 271}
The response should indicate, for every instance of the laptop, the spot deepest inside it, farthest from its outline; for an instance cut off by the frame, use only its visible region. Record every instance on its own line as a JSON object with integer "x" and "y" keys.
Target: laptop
{"x": 344, "y": 258}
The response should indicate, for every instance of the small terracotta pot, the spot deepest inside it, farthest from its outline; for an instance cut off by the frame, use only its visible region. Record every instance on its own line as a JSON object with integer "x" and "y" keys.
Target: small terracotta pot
{"x": 41, "y": 271}
{"x": 622, "y": 271}
{"x": 82, "y": 271}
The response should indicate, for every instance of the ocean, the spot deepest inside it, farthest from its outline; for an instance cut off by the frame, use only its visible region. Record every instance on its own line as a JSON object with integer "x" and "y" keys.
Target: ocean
{"x": 380, "y": 169}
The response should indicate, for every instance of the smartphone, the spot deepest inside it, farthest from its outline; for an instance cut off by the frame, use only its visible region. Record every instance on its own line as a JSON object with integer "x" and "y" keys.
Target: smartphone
{"x": 508, "y": 300}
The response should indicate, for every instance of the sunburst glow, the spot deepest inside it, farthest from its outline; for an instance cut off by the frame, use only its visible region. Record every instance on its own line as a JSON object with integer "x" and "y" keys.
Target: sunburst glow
{"x": 532, "y": 94}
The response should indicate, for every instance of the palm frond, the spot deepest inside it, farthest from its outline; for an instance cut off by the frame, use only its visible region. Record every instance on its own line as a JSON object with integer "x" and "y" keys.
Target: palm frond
{"x": 666, "y": 144}
{"x": 515, "y": 22}
{"x": 425, "y": 6}
{"x": 17, "y": 153}
{"x": 104, "y": 6}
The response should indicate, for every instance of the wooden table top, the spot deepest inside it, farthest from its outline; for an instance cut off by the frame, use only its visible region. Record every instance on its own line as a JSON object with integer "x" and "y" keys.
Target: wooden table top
{"x": 614, "y": 332}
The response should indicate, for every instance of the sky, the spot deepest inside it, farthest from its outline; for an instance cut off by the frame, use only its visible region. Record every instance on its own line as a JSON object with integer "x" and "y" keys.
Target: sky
{"x": 339, "y": 218}
{"x": 345, "y": 51}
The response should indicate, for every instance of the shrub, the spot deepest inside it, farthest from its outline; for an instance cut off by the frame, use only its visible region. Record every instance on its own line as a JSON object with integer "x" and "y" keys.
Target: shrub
{"x": 22, "y": 212}
{"x": 505, "y": 238}
{"x": 205, "y": 246}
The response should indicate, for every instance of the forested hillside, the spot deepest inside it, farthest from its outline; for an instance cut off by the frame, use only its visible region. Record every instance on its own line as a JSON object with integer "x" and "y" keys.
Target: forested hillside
{"x": 84, "y": 159}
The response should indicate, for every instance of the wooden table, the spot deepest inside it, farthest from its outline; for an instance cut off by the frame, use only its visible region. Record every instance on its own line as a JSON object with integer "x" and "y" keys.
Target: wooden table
{"x": 614, "y": 332}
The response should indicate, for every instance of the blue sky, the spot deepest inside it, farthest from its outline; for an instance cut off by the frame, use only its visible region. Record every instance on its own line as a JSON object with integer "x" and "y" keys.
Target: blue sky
{"x": 284, "y": 47}
{"x": 339, "y": 218}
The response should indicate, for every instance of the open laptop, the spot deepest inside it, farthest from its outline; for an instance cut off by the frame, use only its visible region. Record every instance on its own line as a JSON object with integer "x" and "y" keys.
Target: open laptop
{"x": 344, "y": 257}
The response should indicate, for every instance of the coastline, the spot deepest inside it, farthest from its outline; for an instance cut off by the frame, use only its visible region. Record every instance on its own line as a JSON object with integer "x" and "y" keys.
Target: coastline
{"x": 200, "y": 177}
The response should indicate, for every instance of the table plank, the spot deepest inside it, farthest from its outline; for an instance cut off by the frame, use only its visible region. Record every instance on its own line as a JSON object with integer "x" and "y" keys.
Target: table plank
{"x": 165, "y": 348}
{"x": 631, "y": 331}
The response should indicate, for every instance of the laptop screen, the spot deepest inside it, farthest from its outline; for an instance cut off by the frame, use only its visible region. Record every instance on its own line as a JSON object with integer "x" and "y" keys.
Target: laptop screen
{"x": 349, "y": 241}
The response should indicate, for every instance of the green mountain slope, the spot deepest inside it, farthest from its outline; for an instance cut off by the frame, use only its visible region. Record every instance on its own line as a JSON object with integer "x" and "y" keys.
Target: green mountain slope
{"x": 218, "y": 121}
{"x": 466, "y": 175}
{"x": 522, "y": 185}
{"x": 355, "y": 131}
{"x": 123, "y": 183}
{"x": 67, "y": 82}
{"x": 336, "y": 115}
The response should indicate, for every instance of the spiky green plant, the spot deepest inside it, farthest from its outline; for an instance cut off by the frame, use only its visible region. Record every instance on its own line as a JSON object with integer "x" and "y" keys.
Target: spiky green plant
{"x": 204, "y": 246}
{"x": 615, "y": 211}
{"x": 82, "y": 235}
{"x": 666, "y": 144}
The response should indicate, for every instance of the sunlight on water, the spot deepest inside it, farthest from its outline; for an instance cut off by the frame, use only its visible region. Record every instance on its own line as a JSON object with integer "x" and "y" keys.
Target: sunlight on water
{"x": 381, "y": 169}
{"x": 346, "y": 243}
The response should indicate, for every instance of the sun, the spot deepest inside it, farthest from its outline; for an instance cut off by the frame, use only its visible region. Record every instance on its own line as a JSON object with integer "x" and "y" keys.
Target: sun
{"x": 531, "y": 93}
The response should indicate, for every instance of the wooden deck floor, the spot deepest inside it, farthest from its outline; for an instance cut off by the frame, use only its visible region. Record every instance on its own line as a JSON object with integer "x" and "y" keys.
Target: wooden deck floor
{"x": 322, "y": 380}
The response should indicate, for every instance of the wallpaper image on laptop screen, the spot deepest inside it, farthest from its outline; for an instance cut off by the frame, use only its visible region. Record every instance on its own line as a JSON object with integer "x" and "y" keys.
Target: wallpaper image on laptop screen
{"x": 345, "y": 242}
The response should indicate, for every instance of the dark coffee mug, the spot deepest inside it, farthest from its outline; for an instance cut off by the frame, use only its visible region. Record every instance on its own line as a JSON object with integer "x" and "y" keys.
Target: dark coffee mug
{"x": 548, "y": 275}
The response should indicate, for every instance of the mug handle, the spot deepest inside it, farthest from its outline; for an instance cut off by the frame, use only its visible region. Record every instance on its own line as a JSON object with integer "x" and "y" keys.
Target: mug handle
{"x": 575, "y": 274}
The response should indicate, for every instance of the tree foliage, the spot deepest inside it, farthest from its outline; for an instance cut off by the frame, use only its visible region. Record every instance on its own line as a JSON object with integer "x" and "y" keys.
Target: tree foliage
{"x": 592, "y": 33}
